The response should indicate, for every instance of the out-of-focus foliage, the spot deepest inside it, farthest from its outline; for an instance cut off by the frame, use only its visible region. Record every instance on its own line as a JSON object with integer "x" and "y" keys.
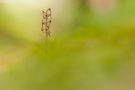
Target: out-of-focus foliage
{"x": 91, "y": 47}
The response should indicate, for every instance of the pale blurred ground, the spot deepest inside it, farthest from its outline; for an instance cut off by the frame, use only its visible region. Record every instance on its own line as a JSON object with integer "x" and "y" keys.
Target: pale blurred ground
{"x": 92, "y": 46}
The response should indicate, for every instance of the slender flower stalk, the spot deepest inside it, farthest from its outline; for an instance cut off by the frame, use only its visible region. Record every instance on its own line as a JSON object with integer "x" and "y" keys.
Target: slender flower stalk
{"x": 46, "y": 22}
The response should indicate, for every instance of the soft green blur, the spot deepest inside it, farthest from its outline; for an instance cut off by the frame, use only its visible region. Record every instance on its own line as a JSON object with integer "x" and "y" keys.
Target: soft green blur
{"x": 92, "y": 45}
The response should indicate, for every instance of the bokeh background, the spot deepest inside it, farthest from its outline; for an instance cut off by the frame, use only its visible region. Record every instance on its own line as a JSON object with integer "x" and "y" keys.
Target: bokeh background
{"x": 92, "y": 45}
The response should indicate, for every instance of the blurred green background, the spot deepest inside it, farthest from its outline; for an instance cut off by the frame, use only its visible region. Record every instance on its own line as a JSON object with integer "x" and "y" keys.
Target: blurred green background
{"x": 92, "y": 45}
